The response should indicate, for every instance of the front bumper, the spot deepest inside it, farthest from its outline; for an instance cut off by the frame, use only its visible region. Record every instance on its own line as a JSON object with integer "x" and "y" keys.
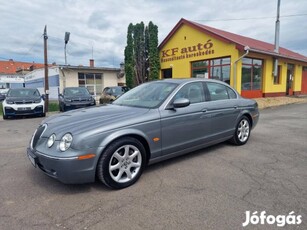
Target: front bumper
{"x": 78, "y": 104}
{"x": 23, "y": 109}
{"x": 68, "y": 170}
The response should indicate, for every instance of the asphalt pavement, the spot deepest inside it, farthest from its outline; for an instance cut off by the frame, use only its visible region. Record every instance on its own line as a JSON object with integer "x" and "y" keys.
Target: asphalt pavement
{"x": 208, "y": 189}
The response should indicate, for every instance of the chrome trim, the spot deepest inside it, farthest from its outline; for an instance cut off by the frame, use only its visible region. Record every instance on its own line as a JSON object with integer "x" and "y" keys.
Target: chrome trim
{"x": 45, "y": 127}
{"x": 56, "y": 158}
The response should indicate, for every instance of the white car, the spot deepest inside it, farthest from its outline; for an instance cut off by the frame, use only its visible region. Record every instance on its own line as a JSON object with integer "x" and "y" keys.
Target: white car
{"x": 22, "y": 102}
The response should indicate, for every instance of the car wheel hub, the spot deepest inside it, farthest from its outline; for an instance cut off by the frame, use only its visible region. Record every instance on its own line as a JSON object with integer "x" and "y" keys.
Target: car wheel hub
{"x": 125, "y": 163}
{"x": 243, "y": 130}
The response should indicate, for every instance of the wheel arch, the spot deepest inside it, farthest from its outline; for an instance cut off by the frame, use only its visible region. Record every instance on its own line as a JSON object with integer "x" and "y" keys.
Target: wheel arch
{"x": 249, "y": 117}
{"x": 134, "y": 134}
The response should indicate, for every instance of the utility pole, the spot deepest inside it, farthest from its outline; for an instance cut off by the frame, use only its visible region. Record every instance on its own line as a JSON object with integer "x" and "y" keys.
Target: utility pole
{"x": 276, "y": 49}
{"x": 46, "y": 70}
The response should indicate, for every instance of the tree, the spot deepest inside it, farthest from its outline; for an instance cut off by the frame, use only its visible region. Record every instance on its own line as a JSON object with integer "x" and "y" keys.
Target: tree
{"x": 141, "y": 54}
{"x": 129, "y": 58}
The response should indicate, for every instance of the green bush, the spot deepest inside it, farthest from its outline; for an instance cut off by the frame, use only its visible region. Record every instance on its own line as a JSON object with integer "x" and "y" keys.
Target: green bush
{"x": 53, "y": 106}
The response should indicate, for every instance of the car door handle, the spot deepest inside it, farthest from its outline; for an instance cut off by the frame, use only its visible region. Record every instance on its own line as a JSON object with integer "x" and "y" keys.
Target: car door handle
{"x": 204, "y": 110}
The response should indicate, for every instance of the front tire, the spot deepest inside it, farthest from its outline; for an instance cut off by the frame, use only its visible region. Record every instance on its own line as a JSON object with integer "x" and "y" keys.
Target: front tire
{"x": 4, "y": 117}
{"x": 122, "y": 163}
{"x": 242, "y": 132}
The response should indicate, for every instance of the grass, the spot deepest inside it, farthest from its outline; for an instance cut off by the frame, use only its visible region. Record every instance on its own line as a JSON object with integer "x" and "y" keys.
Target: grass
{"x": 53, "y": 106}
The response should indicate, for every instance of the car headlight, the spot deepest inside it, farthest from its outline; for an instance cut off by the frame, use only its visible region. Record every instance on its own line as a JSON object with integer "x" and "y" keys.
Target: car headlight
{"x": 51, "y": 140}
{"x": 37, "y": 101}
{"x": 9, "y": 102}
{"x": 65, "y": 142}
{"x": 67, "y": 100}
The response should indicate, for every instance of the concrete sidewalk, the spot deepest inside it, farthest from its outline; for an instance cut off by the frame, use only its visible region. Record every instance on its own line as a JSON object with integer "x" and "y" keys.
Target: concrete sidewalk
{"x": 277, "y": 101}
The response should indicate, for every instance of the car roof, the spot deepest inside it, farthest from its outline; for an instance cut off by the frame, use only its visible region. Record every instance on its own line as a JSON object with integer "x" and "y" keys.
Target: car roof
{"x": 23, "y": 88}
{"x": 185, "y": 80}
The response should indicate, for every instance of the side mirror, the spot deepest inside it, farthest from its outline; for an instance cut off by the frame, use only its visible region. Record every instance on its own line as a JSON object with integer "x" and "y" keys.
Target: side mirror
{"x": 60, "y": 95}
{"x": 43, "y": 96}
{"x": 181, "y": 102}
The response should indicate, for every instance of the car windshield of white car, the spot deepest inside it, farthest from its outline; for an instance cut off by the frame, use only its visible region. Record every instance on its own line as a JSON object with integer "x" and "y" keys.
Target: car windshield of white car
{"x": 148, "y": 95}
{"x": 23, "y": 93}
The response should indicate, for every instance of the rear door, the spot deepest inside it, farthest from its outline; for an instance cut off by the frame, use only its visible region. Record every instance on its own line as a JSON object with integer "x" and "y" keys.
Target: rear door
{"x": 223, "y": 109}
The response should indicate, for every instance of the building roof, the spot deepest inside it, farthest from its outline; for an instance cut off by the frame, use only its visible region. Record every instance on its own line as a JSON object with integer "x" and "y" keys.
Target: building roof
{"x": 11, "y": 66}
{"x": 87, "y": 68}
{"x": 256, "y": 46}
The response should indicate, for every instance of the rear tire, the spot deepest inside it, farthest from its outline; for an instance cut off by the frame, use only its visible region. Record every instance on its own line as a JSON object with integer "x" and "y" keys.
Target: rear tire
{"x": 122, "y": 163}
{"x": 242, "y": 132}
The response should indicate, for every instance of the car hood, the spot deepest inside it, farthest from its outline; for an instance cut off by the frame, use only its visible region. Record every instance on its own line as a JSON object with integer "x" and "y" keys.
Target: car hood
{"x": 88, "y": 119}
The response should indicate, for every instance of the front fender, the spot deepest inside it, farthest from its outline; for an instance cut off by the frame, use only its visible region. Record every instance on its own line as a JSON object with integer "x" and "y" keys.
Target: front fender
{"x": 120, "y": 133}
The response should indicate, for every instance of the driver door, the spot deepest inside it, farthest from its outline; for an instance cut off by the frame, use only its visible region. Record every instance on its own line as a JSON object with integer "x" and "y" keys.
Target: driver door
{"x": 188, "y": 127}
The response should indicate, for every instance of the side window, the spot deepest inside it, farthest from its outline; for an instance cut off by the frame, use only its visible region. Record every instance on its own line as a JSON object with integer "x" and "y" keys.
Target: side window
{"x": 231, "y": 93}
{"x": 193, "y": 91}
{"x": 217, "y": 91}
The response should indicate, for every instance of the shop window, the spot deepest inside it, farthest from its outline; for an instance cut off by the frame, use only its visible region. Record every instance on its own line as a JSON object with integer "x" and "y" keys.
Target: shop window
{"x": 218, "y": 69}
{"x": 251, "y": 74}
{"x": 92, "y": 81}
{"x": 167, "y": 73}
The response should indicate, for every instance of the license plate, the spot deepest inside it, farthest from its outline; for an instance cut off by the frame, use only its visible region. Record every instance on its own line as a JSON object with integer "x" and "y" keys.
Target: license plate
{"x": 32, "y": 160}
{"x": 24, "y": 108}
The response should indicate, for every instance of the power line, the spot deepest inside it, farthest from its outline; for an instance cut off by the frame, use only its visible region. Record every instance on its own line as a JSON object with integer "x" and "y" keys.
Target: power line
{"x": 28, "y": 52}
{"x": 256, "y": 18}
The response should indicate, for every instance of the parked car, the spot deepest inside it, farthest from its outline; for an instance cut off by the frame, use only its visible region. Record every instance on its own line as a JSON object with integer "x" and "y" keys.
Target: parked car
{"x": 109, "y": 94}
{"x": 23, "y": 101}
{"x": 75, "y": 98}
{"x": 150, "y": 123}
{"x": 3, "y": 93}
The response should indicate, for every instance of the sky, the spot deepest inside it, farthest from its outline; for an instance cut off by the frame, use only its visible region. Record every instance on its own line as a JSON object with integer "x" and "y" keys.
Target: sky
{"x": 98, "y": 28}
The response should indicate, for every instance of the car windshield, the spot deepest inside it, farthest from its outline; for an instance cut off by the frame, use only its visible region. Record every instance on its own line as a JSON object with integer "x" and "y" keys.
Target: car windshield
{"x": 117, "y": 90}
{"x": 23, "y": 93}
{"x": 76, "y": 92}
{"x": 148, "y": 95}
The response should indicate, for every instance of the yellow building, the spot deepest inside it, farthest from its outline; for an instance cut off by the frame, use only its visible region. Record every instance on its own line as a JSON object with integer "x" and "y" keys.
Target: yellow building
{"x": 195, "y": 50}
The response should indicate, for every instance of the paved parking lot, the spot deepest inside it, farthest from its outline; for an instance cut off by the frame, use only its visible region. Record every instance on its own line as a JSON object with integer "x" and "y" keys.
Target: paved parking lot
{"x": 207, "y": 189}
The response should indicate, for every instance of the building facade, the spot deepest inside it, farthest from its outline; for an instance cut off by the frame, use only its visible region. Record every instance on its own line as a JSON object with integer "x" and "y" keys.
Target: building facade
{"x": 93, "y": 78}
{"x": 195, "y": 50}
{"x": 61, "y": 76}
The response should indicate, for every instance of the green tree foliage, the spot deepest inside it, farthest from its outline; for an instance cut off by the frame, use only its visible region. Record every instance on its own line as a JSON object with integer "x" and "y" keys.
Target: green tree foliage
{"x": 153, "y": 53}
{"x": 141, "y": 54}
{"x": 129, "y": 57}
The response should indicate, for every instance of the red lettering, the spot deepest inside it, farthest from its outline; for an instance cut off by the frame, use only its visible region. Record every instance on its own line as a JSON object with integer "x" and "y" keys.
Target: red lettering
{"x": 174, "y": 51}
{"x": 165, "y": 53}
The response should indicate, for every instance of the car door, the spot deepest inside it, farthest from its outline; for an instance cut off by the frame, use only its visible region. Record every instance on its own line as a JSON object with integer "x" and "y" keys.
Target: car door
{"x": 223, "y": 109}
{"x": 188, "y": 127}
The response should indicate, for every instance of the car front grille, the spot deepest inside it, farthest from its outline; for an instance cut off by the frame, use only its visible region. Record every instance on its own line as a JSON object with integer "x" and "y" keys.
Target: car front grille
{"x": 23, "y": 102}
{"x": 79, "y": 100}
{"x": 38, "y": 133}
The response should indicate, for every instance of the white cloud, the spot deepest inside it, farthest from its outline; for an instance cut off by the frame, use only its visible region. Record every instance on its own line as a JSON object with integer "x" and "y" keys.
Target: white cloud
{"x": 102, "y": 25}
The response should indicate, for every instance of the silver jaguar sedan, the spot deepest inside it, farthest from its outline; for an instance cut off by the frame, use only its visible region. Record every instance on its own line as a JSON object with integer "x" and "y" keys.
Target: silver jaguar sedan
{"x": 150, "y": 123}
